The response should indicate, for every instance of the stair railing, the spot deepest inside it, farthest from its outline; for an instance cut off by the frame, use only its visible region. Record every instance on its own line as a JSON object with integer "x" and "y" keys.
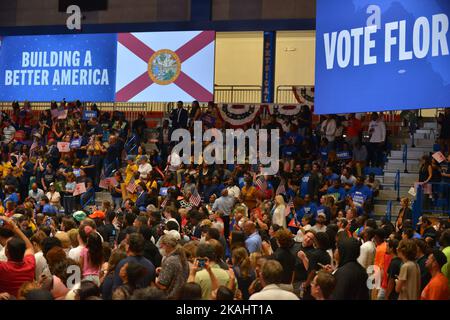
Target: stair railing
{"x": 405, "y": 157}
{"x": 397, "y": 184}
{"x": 389, "y": 211}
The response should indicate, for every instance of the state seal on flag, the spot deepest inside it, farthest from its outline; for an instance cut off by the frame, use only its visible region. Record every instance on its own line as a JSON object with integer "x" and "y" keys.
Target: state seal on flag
{"x": 164, "y": 67}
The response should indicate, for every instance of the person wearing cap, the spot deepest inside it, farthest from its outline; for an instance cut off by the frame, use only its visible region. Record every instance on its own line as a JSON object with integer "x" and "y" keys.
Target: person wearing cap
{"x": 97, "y": 214}
{"x": 79, "y": 216}
{"x": 320, "y": 223}
{"x": 144, "y": 167}
{"x": 174, "y": 270}
{"x": 131, "y": 169}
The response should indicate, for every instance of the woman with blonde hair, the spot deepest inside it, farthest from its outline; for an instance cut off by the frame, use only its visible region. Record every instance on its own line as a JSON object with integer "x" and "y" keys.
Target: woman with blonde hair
{"x": 278, "y": 212}
{"x": 405, "y": 213}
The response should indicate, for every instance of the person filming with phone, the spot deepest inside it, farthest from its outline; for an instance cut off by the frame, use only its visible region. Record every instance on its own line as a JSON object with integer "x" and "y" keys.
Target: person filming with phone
{"x": 206, "y": 272}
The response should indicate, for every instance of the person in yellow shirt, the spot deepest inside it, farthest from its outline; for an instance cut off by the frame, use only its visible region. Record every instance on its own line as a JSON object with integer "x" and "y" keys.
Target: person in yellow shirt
{"x": 5, "y": 166}
{"x": 131, "y": 169}
{"x": 248, "y": 193}
{"x": 152, "y": 182}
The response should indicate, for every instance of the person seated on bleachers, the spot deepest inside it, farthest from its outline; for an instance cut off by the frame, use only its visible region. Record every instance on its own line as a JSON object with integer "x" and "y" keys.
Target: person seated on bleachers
{"x": 337, "y": 191}
{"x": 347, "y": 179}
{"x": 360, "y": 193}
{"x": 373, "y": 184}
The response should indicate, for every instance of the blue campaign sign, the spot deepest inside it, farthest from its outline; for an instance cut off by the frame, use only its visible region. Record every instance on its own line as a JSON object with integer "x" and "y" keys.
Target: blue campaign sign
{"x": 44, "y": 68}
{"x": 376, "y": 55}
{"x": 75, "y": 143}
{"x": 88, "y": 115}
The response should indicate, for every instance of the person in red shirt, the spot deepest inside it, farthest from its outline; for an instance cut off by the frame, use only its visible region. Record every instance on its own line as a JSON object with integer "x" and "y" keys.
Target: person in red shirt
{"x": 353, "y": 129}
{"x": 437, "y": 288}
{"x": 20, "y": 267}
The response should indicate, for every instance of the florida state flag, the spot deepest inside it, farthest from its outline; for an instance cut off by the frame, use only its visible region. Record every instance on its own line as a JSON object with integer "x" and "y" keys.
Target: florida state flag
{"x": 165, "y": 66}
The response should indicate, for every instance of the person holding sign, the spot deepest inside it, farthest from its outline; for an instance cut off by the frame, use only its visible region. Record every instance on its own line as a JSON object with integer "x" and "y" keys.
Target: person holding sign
{"x": 69, "y": 194}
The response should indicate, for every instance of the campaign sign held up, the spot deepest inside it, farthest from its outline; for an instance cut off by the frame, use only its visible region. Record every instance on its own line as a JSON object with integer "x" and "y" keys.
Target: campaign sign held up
{"x": 377, "y": 55}
{"x": 88, "y": 115}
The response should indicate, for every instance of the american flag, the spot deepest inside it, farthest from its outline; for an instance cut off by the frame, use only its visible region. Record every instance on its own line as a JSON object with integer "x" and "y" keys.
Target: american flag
{"x": 261, "y": 183}
{"x": 195, "y": 199}
{"x": 281, "y": 188}
{"x": 164, "y": 203}
{"x": 289, "y": 206}
{"x": 132, "y": 186}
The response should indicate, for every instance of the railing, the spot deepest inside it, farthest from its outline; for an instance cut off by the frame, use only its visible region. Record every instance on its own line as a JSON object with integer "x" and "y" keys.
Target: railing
{"x": 438, "y": 204}
{"x": 397, "y": 184}
{"x": 285, "y": 94}
{"x": 405, "y": 157}
{"x": 237, "y": 94}
{"x": 389, "y": 210}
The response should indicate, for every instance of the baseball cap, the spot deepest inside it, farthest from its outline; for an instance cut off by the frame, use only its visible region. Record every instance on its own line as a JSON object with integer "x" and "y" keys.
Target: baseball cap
{"x": 97, "y": 214}
{"x": 130, "y": 157}
{"x": 79, "y": 215}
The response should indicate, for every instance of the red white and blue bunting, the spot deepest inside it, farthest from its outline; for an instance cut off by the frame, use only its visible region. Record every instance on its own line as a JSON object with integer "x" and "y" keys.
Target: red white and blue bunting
{"x": 240, "y": 115}
{"x": 304, "y": 95}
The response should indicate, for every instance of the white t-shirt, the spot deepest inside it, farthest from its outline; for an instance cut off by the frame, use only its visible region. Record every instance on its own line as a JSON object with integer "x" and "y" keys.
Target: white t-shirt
{"x": 74, "y": 253}
{"x": 379, "y": 131}
{"x": 367, "y": 254}
{"x": 41, "y": 265}
{"x": 273, "y": 292}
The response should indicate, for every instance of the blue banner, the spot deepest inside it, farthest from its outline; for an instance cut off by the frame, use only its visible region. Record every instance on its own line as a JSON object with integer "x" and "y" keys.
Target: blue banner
{"x": 268, "y": 67}
{"x": 44, "y": 68}
{"x": 377, "y": 55}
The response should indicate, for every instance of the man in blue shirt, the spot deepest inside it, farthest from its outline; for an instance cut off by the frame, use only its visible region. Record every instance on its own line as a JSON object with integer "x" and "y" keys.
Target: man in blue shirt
{"x": 253, "y": 242}
{"x": 307, "y": 208}
{"x": 329, "y": 175}
{"x": 47, "y": 208}
{"x": 305, "y": 180}
{"x": 337, "y": 191}
{"x": 360, "y": 193}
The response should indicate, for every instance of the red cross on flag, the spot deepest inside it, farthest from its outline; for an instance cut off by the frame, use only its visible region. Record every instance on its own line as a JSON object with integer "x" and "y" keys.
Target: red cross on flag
{"x": 165, "y": 66}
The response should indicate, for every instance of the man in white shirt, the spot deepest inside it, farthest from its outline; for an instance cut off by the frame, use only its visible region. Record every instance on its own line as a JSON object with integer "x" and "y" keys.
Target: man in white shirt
{"x": 329, "y": 128}
{"x": 377, "y": 132}
{"x": 36, "y": 193}
{"x": 368, "y": 249}
{"x": 320, "y": 223}
{"x": 233, "y": 189}
{"x": 8, "y": 132}
{"x": 271, "y": 274}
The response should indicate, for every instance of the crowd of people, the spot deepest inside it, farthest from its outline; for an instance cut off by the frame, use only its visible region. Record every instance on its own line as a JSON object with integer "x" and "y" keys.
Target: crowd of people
{"x": 170, "y": 230}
